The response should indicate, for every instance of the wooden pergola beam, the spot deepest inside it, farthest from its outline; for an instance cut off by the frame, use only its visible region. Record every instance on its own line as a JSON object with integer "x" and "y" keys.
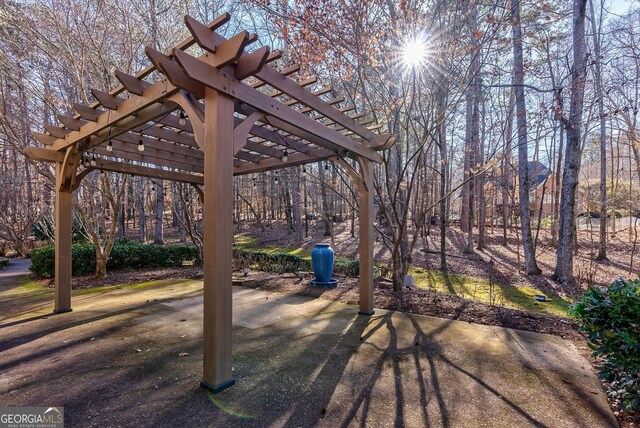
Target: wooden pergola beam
{"x": 209, "y": 40}
{"x": 144, "y": 171}
{"x": 221, "y": 81}
{"x": 271, "y": 164}
{"x": 147, "y": 108}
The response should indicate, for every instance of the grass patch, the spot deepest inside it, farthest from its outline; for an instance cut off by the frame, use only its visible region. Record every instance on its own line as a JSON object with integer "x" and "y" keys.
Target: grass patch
{"x": 244, "y": 242}
{"x": 483, "y": 291}
{"x": 27, "y": 284}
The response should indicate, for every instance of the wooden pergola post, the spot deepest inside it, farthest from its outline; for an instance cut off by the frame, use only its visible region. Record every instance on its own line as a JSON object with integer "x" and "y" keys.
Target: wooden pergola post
{"x": 218, "y": 240}
{"x": 63, "y": 234}
{"x": 365, "y": 234}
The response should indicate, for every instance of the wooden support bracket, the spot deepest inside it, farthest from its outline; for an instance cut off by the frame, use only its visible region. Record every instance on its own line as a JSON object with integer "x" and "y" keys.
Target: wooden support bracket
{"x": 241, "y": 131}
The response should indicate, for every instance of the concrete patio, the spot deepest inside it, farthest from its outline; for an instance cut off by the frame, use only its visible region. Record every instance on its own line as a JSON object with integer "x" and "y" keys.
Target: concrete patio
{"x": 115, "y": 361}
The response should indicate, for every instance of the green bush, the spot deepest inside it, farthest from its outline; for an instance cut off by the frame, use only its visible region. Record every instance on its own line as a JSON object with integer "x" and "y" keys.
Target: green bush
{"x": 285, "y": 262}
{"x": 611, "y": 318}
{"x": 134, "y": 255}
{"x": 125, "y": 254}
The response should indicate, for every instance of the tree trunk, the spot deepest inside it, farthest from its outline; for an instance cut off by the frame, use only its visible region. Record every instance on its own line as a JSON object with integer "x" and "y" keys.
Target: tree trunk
{"x": 531, "y": 267}
{"x": 472, "y": 131}
{"x": 556, "y": 190}
{"x": 296, "y": 205}
{"x": 442, "y": 145}
{"x": 141, "y": 216}
{"x": 597, "y": 34}
{"x": 507, "y": 172}
{"x": 466, "y": 168}
{"x": 326, "y": 214}
{"x": 159, "y": 238}
{"x": 564, "y": 260}
{"x": 482, "y": 210}
{"x": 101, "y": 264}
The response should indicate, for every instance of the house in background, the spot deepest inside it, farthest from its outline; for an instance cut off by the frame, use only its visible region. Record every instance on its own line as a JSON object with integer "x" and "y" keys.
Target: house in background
{"x": 542, "y": 188}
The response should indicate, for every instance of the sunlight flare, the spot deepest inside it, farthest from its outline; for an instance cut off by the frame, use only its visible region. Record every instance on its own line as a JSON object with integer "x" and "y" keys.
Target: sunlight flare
{"x": 414, "y": 52}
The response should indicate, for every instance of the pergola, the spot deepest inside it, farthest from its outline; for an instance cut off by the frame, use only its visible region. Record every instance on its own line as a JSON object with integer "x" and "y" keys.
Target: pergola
{"x": 202, "y": 120}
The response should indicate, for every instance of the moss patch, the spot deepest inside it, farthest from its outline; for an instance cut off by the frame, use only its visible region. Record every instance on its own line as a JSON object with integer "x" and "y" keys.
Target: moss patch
{"x": 482, "y": 290}
{"x": 26, "y": 284}
{"x": 245, "y": 242}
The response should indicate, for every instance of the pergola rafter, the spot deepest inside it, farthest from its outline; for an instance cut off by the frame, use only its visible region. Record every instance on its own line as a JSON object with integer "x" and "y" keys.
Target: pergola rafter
{"x": 203, "y": 120}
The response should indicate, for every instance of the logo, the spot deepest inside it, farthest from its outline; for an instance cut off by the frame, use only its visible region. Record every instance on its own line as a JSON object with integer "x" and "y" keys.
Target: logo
{"x": 31, "y": 417}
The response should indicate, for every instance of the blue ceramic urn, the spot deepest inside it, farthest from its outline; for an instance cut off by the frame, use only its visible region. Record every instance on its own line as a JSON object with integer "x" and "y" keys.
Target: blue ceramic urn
{"x": 322, "y": 261}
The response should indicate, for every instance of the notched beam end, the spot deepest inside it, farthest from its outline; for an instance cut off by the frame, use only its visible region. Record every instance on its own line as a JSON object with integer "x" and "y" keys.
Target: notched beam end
{"x": 174, "y": 73}
{"x": 45, "y": 139}
{"x": 202, "y": 34}
{"x": 131, "y": 83}
{"x": 107, "y": 100}
{"x": 252, "y": 63}
{"x": 231, "y": 50}
{"x": 43, "y": 155}
{"x": 274, "y": 55}
{"x": 86, "y": 112}
{"x": 382, "y": 142}
{"x": 68, "y": 122}
{"x": 56, "y": 131}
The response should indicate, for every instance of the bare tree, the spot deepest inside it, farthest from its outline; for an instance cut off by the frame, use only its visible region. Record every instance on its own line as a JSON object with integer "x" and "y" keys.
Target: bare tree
{"x": 564, "y": 255}
{"x": 531, "y": 267}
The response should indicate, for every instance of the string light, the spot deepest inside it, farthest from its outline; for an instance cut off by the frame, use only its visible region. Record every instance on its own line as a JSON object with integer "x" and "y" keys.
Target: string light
{"x": 140, "y": 145}
{"x": 182, "y": 120}
{"x": 109, "y": 146}
{"x": 285, "y": 156}
{"x": 93, "y": 160}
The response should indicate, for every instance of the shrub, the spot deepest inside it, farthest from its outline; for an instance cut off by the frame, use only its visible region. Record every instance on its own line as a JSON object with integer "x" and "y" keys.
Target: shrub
{"x": 131, "y": 254}
{"x": 611, "y": 318}
{"x": 125, "y": 254}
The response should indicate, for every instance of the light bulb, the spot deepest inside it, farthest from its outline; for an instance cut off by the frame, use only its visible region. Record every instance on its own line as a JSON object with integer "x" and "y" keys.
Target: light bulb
{"x": 110, "y": 146}
{"x": 140, "y": 145}
{"x": 285, "y": 157}
{"x": 182, "y": 120}
{"x": 93, "y": 161}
